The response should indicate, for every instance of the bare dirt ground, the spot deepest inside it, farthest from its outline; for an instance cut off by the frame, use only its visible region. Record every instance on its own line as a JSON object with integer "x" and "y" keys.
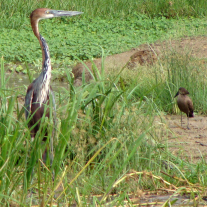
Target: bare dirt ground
{"x": 190, "y": 144}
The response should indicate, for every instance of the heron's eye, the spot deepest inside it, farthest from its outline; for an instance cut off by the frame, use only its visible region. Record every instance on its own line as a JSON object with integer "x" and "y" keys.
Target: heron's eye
{"x": 47, "y": 12}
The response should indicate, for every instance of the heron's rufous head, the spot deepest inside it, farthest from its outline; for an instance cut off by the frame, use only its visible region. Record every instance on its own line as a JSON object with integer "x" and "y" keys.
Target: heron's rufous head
{"x": 44, "y": 13}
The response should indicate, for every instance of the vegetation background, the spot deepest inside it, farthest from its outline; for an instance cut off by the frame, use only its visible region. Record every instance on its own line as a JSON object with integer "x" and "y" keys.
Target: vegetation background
{"x": 106, "y": 138}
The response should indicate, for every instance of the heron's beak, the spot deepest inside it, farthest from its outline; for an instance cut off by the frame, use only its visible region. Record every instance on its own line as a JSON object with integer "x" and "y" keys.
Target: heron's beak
{"x": 59, "y": 13}
{"x": 176, "y": 94}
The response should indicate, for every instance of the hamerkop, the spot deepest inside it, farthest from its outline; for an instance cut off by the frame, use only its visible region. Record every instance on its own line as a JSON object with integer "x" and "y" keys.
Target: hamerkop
{"x": 185, "y": 104}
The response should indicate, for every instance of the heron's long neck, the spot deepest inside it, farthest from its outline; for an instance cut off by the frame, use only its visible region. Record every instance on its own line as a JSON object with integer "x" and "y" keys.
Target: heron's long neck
{"x": 46, "y": 62}
{"x": 46, "y": 71}
{"x": 45, "y": 76}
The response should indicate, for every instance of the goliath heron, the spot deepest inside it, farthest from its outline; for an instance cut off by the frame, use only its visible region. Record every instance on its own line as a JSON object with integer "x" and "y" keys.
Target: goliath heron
{"x": 185, "y": 104}
{"x": 39, "y": 91}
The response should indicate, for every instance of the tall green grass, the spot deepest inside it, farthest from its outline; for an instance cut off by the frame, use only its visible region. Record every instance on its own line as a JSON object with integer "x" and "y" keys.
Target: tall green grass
{"x": 106, "y": 130}
{"x": 182, "y": 70}
{"x": 105, "y": 134}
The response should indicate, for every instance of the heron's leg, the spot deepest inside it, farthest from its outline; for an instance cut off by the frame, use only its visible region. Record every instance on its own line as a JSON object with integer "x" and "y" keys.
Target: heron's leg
{"x": 31, "y": 191}
{"x": 181, "y": 119}
{"x": 51, "y": 157}
{"x": 52, "y": 140}
{"x": 51, "y": 162}
{"x": 188, "y": 123}
{"x": 45, "y": 154}
{"x": 51, "y": 150}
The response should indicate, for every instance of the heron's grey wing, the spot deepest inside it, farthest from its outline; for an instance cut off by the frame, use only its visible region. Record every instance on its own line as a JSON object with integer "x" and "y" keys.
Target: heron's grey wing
{"x": 28, "y": 100}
